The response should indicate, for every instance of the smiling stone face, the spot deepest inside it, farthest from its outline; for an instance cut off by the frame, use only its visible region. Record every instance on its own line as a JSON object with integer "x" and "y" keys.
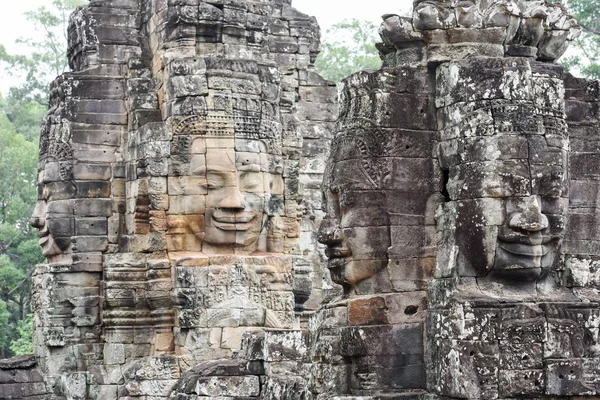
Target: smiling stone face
{"x": 509, "y": 213}
{"x": 529, "y": 240}
{"x": 505, "y": 157}
{"x": 227, "y": 197}
{"x": 239, "y": 188}
{"x": 225, "y": 183}
{"x": 234, "y": 215}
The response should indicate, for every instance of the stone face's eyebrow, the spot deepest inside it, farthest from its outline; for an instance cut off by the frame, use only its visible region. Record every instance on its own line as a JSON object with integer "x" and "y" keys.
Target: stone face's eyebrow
{"x": 205, "y": 170}
{"x": 250, "y": 167}
{"x": 217, "y": 169}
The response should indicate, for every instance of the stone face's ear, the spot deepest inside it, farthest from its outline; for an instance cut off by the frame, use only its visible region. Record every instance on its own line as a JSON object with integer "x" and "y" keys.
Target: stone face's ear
{"x": 276, "y": 233}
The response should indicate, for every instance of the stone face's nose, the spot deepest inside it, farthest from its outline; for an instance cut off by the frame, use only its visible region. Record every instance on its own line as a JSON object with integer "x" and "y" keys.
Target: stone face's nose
{"x": 37, "y": 222}
{"x": 329, "y": 232}
{"x": 529, "y": 216}
{"x": 38, "y": 219}
{"x": 233, "y": 199}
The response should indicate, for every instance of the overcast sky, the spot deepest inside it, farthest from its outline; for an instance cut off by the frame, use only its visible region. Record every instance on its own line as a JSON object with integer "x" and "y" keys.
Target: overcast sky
{"x": 13, "y": 23}
{"x": 329, "y": 12}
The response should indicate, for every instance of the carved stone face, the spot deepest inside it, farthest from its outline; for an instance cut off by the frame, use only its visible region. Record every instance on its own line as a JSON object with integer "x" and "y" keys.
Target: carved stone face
{"x": 50, "y": 217}
{"x": 356, "y": 226}
{"x": 228, "y": 201}
{"x": 505, "y": 156}
{"x": 40, "y": 222}
{"x": 529, "y": 240}
{"x": 226, "y": 168}
{"x": 54, "y": 212}
{"x": 238, "y": 190}
{"x": 509, "y": 211}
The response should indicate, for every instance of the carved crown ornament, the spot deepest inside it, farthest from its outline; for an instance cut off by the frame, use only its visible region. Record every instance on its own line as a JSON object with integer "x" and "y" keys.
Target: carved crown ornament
{"x": 522, "y": 28}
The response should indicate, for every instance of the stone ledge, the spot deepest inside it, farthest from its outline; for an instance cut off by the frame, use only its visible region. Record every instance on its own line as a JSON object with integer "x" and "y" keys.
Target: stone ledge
{"x": 21, "y": 362}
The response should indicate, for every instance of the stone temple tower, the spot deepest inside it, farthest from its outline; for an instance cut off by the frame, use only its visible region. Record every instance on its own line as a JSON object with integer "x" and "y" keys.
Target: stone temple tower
{"x": 181, "y": 169}
{"x": 179, "y": 195}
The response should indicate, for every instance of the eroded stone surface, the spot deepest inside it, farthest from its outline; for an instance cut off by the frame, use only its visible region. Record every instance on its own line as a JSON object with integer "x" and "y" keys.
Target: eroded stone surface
{"x": 179, "y": 178}
{"x": 180, "y": 171}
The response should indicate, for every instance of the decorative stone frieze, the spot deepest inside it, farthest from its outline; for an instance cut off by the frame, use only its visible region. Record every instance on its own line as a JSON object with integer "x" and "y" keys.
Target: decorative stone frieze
{"x": 179, "y": 190}
{"x": 180, "y": 178}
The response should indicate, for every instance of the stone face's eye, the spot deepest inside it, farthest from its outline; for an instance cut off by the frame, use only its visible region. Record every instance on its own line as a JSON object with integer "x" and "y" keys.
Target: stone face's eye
{"x": 551, "y": 185}
{"x": 214, "y": 180}
{"x": 553, "y": 193}
{"x": 251, "y": 182}
{"x": 520, "y": 183}
{"x": 345, "y": 200}
{"x": 211, "y": 184}
{"x": 43, "y": 192}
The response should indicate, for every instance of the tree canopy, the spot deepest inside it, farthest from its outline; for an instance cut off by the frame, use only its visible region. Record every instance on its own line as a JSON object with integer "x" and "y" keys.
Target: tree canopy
{"x": 587, "y": 61}
{"x": 348, "y": 47}
{"x": 19, "y": 249}
{"x": 46, "y": 58}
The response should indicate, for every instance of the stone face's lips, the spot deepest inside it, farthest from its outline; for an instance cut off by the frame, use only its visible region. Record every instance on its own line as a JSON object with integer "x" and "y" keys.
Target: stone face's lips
{"x": 531, "y": 240}
{"x": 337, "y": 257}
{"x": 336, "y": 263}
{"x": 535, "y": 245}
{"x": 517, "y": 267}
{"x": 526, "y": 250}
{"x": 337, "y": 252}
{"x": 46, "y": 241}
{"x": 228, "y": 221}
{"x": 43, "y": 234}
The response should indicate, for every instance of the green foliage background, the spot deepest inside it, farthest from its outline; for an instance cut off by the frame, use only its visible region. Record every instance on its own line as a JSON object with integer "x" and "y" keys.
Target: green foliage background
{"x": 19, "y": 249}
{"x": 21, "y": 113}
{"x": 587, "y": 13}
{"x": 348, "y": 47}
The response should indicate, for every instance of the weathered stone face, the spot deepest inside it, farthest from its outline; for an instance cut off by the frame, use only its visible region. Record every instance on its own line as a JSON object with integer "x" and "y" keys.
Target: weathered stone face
{"x": 380, "y": 187}
{"x": 380, "y": 192}
{"x": 356, "y": 226}
{"x": 501, "y": 322}
{"x": 510, "y": 223}
{"x": 460, "y": 196}
{"x": 525, "y": 255}
{"x": 49, "y": 224}
{"x": 230, "y": 197}
{"x": 505, "y": 156}
{"x": 54, "y": 211}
